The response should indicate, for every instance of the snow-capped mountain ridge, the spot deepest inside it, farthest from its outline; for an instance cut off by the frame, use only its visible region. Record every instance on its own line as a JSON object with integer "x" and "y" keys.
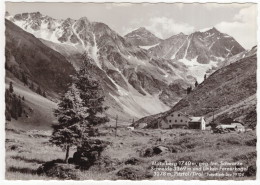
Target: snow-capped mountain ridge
{"x": 131, "y": 79}
{"x": 132, "y": 75}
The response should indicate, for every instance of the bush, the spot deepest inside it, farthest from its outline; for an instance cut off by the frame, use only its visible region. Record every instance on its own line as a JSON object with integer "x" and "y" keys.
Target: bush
{"x": 132, "y": 173}
{"x": 245, "y": 157}
{"x": 234, "y": 140}
{"x": 57, "y": 168}
{"x": 251, "y": 171}
{"x": 251, "y": 142}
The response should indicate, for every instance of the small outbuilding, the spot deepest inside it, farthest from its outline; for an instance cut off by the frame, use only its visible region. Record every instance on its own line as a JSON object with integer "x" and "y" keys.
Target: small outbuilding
{"x": 227, "y": 127}
{"x": 130, "y": 128}
{"x": 142, "y": 125}
{"x": 239, "y": 126}
{"x": 197, "y": 123}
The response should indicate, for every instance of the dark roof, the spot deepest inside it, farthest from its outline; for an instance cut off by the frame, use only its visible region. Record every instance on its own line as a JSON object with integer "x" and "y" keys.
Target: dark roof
{"x": 196, "y": 119}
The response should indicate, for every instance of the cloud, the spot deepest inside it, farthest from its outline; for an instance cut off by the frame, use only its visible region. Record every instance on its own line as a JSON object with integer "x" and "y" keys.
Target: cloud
{"x": 165, "y": 27}
{"x": 112, "y": 5}
{"x": 211, "y": 6}
{"x": 162, "y": 27}
{"x": 243, "y": 28}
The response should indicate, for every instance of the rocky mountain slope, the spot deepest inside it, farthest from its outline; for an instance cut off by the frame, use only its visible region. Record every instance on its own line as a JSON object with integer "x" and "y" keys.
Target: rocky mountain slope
{"x": 168, "y": 47}
{"x": 142, "y": 37}
{"x": 133, "y": 81}
{"x": 231, "y": 90}
{"x": 202, "y": 51}
{"x": 202, "y": 45}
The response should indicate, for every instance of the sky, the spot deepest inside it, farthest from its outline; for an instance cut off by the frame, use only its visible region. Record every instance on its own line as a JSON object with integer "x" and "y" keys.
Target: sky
{"x": 162, "y": 19}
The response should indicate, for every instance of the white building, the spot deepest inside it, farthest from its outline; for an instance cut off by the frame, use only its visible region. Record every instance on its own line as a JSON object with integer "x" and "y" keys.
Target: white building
{"x": 239, "y": 126}
{"x": 175, "y": 120}
{"x": 181, "y": 120}
{"x": 197, "y": 123}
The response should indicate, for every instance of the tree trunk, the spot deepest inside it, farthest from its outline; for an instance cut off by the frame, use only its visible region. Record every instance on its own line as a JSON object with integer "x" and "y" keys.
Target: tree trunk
{"x": 67, "y": 153}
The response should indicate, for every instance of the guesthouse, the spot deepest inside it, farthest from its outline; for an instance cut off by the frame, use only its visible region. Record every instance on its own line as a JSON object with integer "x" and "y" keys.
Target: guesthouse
{"x": 175, "y": 120}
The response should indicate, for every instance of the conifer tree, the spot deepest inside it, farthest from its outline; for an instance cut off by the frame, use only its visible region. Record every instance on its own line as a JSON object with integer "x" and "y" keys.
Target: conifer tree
{"x": 32, "y": 86}
{"x": 80, "y": 109}
{"x": 24, "y": 79}
{"x": 11, "y": 89}
{"x": 205, "y": 77}
{"x": 68, "y": 131}
{"x": 196, "y": 83}
{"x": 91, "y": 93}
{"x": 189, "y": 89}
{"x": 39, "y": 91}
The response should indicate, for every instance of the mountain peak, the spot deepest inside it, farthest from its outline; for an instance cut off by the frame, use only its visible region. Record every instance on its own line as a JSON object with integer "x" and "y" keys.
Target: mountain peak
{"x": 85, "y": 19}
{"x": 142, "y": 29}
{"x": 142, "y": 37}
{"x": 35, "y": 14}
{"x": 7, "y": 14}
{"x": 213, "y": 29}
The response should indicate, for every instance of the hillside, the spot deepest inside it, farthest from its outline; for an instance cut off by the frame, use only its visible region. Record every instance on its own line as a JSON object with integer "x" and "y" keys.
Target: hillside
{"x": 231, "y": 90}
{"x": 28, "y": 56}
{"x": 37, "y": 112}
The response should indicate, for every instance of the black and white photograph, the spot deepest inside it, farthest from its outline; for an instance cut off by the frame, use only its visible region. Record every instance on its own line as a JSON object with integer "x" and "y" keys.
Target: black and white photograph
{"x": 130, "y": 91}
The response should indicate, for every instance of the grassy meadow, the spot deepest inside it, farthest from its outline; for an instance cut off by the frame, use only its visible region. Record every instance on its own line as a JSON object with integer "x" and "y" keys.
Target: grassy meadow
{"x": 27, "y": 150}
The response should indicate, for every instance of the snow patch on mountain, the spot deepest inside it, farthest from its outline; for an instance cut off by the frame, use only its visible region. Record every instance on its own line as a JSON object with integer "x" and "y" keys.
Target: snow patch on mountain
{"x": 197, "y": 69}
{"x": 148, "y": 47}
{"x": 187, "y": 48}
{"x": 94, "y": 52}
{"x": 205, "y": 29}
{"x": 174, "y": 55}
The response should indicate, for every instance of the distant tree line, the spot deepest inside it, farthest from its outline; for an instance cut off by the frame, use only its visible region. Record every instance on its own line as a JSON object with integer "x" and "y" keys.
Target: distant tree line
{"x": 24, "y": 78}
{"x": 13, "y": 104}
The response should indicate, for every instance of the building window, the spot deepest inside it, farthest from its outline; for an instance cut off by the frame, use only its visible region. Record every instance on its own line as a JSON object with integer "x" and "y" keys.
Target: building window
{"x": 170, "y": 121}
{"x": 181, "y": 120}
{"x": 179, "y": 115}
{"x": 175, "y": 121}
{"x": 172, "y": 115}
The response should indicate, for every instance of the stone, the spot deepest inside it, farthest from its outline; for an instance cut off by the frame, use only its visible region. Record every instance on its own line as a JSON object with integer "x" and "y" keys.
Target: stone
{"x": 160, "y": 149}
{"x": 131, "y": 173}
{"x": 106, "y": 164}
{"x": 88, "y": 153}
{"x": 133, "y": 161}
{"x": 148, "y": 152}
{"x": 59, "y": 170}
{"x": 251, "y": 171}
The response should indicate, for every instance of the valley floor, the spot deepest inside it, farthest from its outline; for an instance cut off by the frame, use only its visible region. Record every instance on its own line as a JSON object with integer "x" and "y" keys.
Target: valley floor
{"x": 27, "y": 150}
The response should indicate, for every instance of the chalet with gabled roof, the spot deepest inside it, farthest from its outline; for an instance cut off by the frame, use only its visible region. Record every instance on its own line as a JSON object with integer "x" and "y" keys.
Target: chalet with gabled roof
{"x": 175, "y": 120}
{"x": 180, "y": 120}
